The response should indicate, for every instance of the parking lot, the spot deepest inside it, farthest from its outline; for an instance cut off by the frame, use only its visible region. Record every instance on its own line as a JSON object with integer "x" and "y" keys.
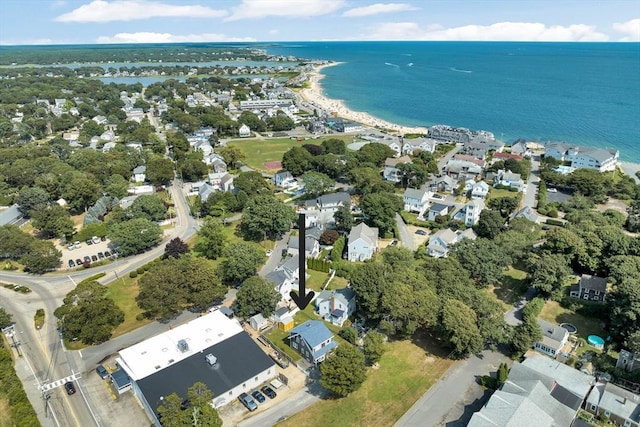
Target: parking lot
{"x": 83, "y": 251}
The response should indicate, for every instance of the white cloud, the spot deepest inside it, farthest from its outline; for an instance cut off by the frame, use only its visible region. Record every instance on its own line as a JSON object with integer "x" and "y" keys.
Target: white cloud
{"x": 150, "y": 37}
{"x": 43, "y": 41}
{"x": 379, "y": 8}
{"x": 58, "y": 3}
{"x": 255, "y": 9}
{"x": 501, "y": 31}
{"x": 631, "y": 30}
{"x": 129, "y": 10}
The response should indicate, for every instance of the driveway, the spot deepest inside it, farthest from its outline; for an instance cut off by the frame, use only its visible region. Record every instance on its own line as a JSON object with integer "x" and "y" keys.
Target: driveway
{"x": 406, "y": 238}
{"x": 529, "y": 198}
{"x": 276, "y": 255}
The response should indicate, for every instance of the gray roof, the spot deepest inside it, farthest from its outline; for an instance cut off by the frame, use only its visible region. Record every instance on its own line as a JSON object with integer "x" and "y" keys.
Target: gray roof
{"x": 555, "y": 333}
{"x": 314, "y": 332}
{"x": 239, "y": 360}
{"x": 10, "y": 215}
{"x": 291, "y": 264}
{"x": 447, "y": 235}
{"x": 284, "y": 174}
{"x": 343, "y": 295}
{"x": 278, "y": 277}
{"x": 620, "y": 402}
{"x": 596, "y": 283}
{"x": 414, "y": 193}
{"x": 510, "y": 410}
{"x": 363, "y": 231}
{"x": 438, "y": 207}
{"x": 334, "y": 198}
{"x": 528, "y": 213}
{"x": 140, "y": 169}
{"x": 314, "y": 233}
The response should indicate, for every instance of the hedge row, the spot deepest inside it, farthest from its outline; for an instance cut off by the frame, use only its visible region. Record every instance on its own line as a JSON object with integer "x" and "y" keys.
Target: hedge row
{"x": 318, "y": 265}
{"x": 338, "y": 248}
{"x": 22, "y": 413}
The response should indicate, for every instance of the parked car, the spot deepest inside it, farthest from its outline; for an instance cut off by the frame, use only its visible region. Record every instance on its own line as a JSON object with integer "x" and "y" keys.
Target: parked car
{"x": 258, "y": 396}
{"x": 107, "y": 254}
{"x": 89, "y": 242}
{"x": 100, "y": 255}
{"x": 268, "y": 391}
{"x": 94, "y": 257}
{"x": 95, "y": 239}
{"x": 71, "y": 263}
{"x": 421, "y": 232}
{"x": 101, "y": 370}
{"x": 70, "y": 246}
{"x": 269, "y": 252}
{"x": 87, "y": 259}
{"x": 70, "y": 388}
{"x": 248, "y": 402}
{"x": 78, "y": 262}
{"x": 77, "y": 244}
{"x": 103, "y": 238}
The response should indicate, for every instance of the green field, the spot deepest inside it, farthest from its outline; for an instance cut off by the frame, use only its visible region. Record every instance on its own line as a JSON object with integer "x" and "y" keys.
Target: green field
{"x": 405, "y": 372}
{"x": 495, "y": 193}
{"x": 555, "y": 313}
{"x": 260, "y": 151}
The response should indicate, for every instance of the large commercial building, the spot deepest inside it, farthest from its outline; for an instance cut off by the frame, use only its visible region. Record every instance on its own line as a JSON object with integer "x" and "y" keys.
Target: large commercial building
{"x": 212, "y": 349}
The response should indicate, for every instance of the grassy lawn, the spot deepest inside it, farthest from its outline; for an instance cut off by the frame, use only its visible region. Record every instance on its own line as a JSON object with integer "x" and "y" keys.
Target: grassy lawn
{"x": 5, "y": 413}
{"x": 554, "y": 313}
{"x": 259, "y": 151}
{"x": 511, "y": 289}
{"x": 316, "y": 279}
{"x": 495, "y": 193}
{"x": 406, "y": 371}
{"x": 124, "y": 293}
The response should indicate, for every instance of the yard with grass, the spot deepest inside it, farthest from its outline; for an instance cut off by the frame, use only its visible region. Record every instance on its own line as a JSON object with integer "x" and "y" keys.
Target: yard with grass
{"x": 405, "y": 372}
{"x": 511, "y": 289}
{"x": 261, "y": 151}
{"x": 555, "y": 313}
{"x": 495, "y": 193}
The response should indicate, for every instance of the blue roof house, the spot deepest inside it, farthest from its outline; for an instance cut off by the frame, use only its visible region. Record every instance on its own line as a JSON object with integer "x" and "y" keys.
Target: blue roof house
{"x": 313, "y": 340}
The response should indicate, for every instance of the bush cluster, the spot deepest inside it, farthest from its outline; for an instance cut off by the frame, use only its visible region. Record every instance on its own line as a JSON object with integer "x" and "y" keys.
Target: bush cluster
{"x": 22, "y": 413}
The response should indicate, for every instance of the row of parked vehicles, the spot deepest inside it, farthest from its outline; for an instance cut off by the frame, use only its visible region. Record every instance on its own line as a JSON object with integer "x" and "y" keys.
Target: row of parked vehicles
{"x": 94, "y": 240}
{"x": 93, "y": 258}
{"x": 250, "y": 401}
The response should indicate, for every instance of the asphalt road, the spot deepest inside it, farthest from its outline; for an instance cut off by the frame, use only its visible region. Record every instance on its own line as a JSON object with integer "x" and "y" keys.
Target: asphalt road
{"x": 406, "y": 238}
{"x": 529, "y": 198}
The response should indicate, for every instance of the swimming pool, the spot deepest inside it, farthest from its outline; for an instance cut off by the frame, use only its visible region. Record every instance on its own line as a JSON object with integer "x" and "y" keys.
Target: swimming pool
{"x": 595, "y": 341}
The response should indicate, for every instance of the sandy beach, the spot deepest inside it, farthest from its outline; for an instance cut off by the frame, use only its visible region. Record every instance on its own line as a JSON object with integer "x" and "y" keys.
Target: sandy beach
{"x": 315, "y": 96}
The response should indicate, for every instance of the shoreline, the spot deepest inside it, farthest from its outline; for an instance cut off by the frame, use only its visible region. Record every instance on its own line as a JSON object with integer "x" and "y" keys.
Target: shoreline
{"x": 316, "y": 97}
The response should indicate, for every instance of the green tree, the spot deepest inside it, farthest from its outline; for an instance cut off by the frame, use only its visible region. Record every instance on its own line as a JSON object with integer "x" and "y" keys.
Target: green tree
{"x": 252, "y": 183}
{"x": 160, "y": 170}
{"x": 253, "y": 121}
{"x": 135, "y": 236}
{"x": 265, "y": 216}
{"x": 334, "y": 146}
{"x": 81, "y": 192}
{"x": 490, "y": 224}
{"x": 458, "y": 323}
{"x": 297, "y": 161}
{"x": 117, "y": 186}
{"x": 175, "y": 248}
{"x": 369, "y": 281}
{"x": 503, "y": 373}
{"x": 633, "y": 220}
{"x": 548, "y": 273}
{"x": 30, "y": 198}
{"x": 505, "y": 205}
{"x": 193, "y": 169}
{"x": 171, "y": 413}
{"x": 373, "y": 346}
{"x": 256, "y": 295}
{"x": 349, "y": 334}
{"x": 211, "y": 238}
{"x": 316, "y": 183}
{"x": 375, "y": 153}
{"x": 343, "y": 371}
{"x": 147, "y": 206}
{"x": 5, "y": 318}
{"x": 343, "y": 219}
{"x": 408, "y": 304}
{"x": 88, "y": 314}
{"x": 525, "y": 335}
{"x": 202, "y": 413}
{"x": 380, "y": 210}
{"x": 483, "y": 259}
{"x": 52, "y": 221}
{"x": 232, "y": 155}
{"x": 42, "y": 256}
{"x": 14, "y": 242}
{"x": 368, "y": 180}
{"x": 241, "y": 261}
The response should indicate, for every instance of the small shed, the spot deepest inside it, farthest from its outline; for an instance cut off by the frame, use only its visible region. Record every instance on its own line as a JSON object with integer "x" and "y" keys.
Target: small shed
{"x": 286, "y": 323}
{"x": 227, "y": 311}
{"x": 258, "y": 322}
{"x": 121, "y": 381}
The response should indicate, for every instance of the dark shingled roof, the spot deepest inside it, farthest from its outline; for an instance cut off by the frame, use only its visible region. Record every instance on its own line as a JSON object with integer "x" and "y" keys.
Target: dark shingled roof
{"x": 239, "y": 359}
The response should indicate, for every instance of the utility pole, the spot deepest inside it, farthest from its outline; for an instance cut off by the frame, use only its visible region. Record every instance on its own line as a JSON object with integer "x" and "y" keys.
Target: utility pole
{"x": 15, "y": 344}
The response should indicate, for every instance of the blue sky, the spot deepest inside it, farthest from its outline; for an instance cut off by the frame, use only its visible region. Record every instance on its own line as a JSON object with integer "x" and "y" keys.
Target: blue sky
{"x": 148, "y": 21}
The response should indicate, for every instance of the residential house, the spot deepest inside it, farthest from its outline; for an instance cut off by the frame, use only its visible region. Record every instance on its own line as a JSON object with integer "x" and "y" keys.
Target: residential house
{"x": 521, "y": 148}
{"x": 283, "y": 283}
{"x": 619, "y": 406}
{"x": 348, "y": 127}
{"x": 311, "y": 246}
{"x": 444, "y": 184}
{"x": 479, "y": 190}
{"x": 391, "y": 172}
{"x": 554, "y": 337}
{"x": 600, "y": 159}
{"x": 463, "y": 166}
{"x": 505, "y": 156}
{"x": 411, "y": 146}
{"x": 527, "y": 213}
{"x": 258, "y": 322}
{"x": 509, "y": 179}
{"x": 226, "y": 182}
{"x": 108, "y": 147}
{"x": 284, "y": 179}
{"x": 591, "y": 288}
{"x": 319, "y": 212}
{"x": 436, "y": 210}
{"x": 135, "y": 145}
{"x": 362, "y": 242}
{"x": 101, "y": 120}
{"x": 204, "y": 147}
{"x": 139, "y": 173}
{"x": 472, "y": 212}
{"x": 441, "y": 241}
{"x": 205, "y": 191}
{"x": 244, "y": 131}
{"x": 313, "y": 340}
{"x": 218, "y": 164}
{"x": 539, "y": 392}
{"x": 416, "y": 200}
{"x": 628, "y": 361}
{"x": 336, "y": 306}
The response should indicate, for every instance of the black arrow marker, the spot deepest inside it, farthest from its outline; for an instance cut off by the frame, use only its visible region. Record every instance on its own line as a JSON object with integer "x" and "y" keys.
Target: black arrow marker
{"x": 301, "y": 300}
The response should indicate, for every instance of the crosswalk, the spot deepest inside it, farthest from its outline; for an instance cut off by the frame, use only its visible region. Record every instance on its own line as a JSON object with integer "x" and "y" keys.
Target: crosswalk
{"x": 57, "y": 383}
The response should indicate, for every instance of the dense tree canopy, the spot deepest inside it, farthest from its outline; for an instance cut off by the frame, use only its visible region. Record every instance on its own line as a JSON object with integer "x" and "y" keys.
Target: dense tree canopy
{"x": 343, "y": 371}
{"x": 211, "y": 238}
{"x": 265, "y": 216}
{"x": 380, "y": 210}
{"x": 241, "y": 260}
{"x": 135, "y": 236}
{"x": 256, "y": 295}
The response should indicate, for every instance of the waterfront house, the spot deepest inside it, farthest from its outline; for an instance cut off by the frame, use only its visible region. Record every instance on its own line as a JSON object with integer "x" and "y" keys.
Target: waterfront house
{"x": 313, "y": 340}
{"x": 521, "y": 148}
{"x": 436, "y": 210}
{"x": 554, "y": 337}
{"x": 362, "y": 242}
{"x": 391, "y": 172}
{"x": 590, "y": 288}
{"x": 139, "y": 173}
{"x": 416, "y": 200}
{"x": 600, "y": 159}
{"x": 336, "y": 306}
{"x": 620, "y": 407}
{"x": 505, "y": 156}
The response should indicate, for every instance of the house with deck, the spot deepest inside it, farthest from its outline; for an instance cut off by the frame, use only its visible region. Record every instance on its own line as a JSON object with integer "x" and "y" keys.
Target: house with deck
{"x": 600, "y": 159}
{"x": 416, "y": 200}
{"x": 441, "y": 241}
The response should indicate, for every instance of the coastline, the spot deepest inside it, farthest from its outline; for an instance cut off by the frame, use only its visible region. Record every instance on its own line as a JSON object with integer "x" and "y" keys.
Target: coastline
{"x": 316, "y": 97}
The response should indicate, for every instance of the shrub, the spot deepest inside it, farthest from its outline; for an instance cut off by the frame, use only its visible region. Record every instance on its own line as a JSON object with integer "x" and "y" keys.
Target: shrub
{"x": 133, "y": 274}
{"x": 140, "y": 270}
{"x": 556, "y": 222}
{"x": 553, "y": 213}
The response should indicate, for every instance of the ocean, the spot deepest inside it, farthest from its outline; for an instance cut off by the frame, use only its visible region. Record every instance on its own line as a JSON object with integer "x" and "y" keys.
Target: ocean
{"x": 582, "y": 93}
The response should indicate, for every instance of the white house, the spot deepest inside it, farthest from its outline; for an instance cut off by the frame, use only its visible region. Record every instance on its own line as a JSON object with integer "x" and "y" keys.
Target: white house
{"x": 285, "y": 277}
{"x": 600, "y": 159}
{"x": 416, "y": 200}
{"x": 336, "y": 306}
{"x": 391, "y": 172}
{"x": 139, "y": 173}
{"x": 554, "y": 337}
{"x": 258, "y": 322}
{"x": 284, "y": 179}
{"x": 362, "y": 242}
{"x": 510, "y": 179}
{"x": 319, "y": 212}
{"x": 479, "y": 190}
{"x": 244, "y": 131}
{"x": 311, "y": 246}
{"x": 410, "y": 146}
{"x": 436, "y": 210}
{"x": 441, "y": 241}
{"x": 472, "y": 212}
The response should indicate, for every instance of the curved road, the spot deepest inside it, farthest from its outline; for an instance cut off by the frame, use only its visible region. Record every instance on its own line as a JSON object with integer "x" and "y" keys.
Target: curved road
{"x": 44, "y": 355}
